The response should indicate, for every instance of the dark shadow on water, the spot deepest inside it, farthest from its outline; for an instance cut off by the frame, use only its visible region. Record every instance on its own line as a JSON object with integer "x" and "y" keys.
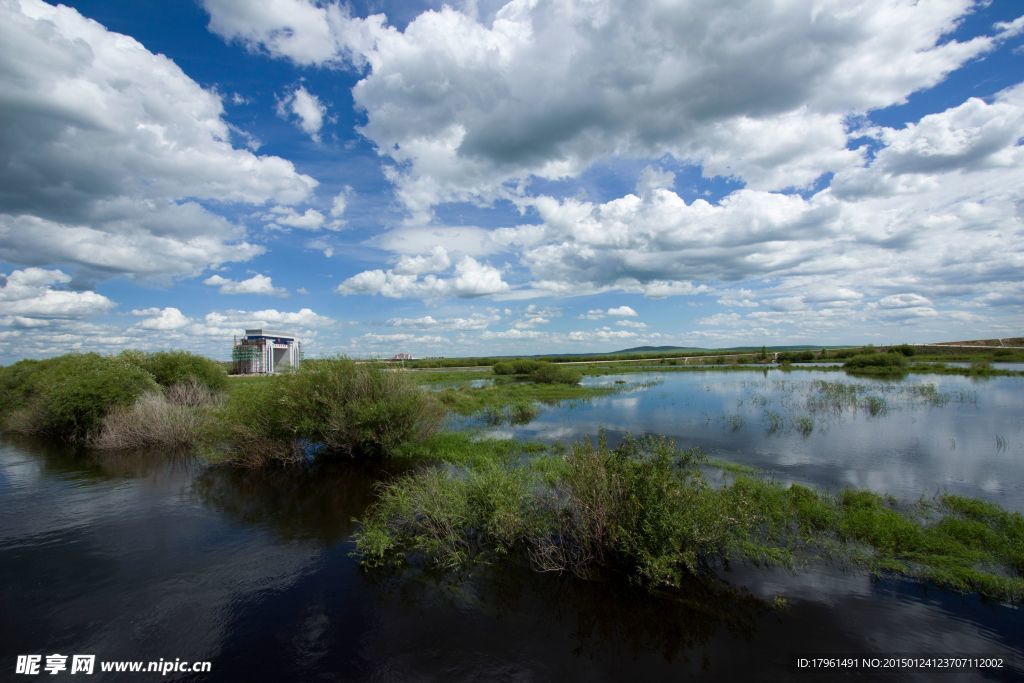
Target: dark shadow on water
{"x": 319, "y": 500}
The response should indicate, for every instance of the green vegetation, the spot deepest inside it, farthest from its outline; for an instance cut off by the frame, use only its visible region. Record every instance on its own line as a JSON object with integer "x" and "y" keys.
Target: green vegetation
{"x": 170, "y": 368}
{"x": 805, "y": 425}
{"x": 177, "y": 419}
{"x": 520, "y": 366}
{"x": 68, "y": 396}
{"x": 176, "y": 400}
{"x": 877, "y": 362}
{"x": 643, "y": 510}
{"x": 875, "y": 405}
{"x": 511, "y": 396}
{"x": 337, "y": 405}
{"x": 538, "y": 371}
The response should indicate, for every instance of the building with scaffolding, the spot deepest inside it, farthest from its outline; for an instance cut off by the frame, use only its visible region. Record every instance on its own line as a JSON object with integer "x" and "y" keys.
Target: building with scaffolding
{"x": 262, "y": 352}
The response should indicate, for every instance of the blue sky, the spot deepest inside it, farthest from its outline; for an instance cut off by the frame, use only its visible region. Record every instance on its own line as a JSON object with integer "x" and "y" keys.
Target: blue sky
{"x": 529, "y": 177}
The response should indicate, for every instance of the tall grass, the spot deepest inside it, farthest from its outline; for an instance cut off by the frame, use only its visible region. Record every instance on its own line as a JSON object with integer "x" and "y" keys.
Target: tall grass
{"x": 178, "y": 419}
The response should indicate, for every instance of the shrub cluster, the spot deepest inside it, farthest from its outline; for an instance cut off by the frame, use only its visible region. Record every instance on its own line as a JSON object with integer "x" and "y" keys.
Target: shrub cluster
{"x": 904, "y": 350}
{"x": 170, "y": 368}
{"x": 539, "y": 371}
{"x": 796, "y": 356}
{"x": 878, "y": 361}
{"x": 520, "y": 366}
{"x": 643, "y": 510}
{"x": 348, "y": 408}
{"x": 68, "y": 396}
{"x": 177, "y": 400}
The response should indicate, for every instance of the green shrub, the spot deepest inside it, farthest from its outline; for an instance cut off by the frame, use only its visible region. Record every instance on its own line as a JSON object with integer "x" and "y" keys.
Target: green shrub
{"x": 886, "y": 361}
{"x": 904, "y": 350}
{"x": 355, "y": 409}
{"x": 549, "y": 373}
{"x": 519, "y": 366}
{"x": 179, "y": 367}
{"x": 68, "y": 396}
{"x": 643, "y": 511}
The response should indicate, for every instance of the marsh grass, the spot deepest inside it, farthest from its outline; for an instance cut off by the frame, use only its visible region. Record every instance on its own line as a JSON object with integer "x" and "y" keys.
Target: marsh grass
{"x": 515, "y": 398}
{"x": 644, "y": 511}
{"x": 804, "y": 424}
{"x": 875, "y": 405}
{"x": 178, "y": 418}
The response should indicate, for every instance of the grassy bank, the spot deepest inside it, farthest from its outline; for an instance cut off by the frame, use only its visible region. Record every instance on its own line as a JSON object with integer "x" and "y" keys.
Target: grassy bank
{"x": 644, "y": 511}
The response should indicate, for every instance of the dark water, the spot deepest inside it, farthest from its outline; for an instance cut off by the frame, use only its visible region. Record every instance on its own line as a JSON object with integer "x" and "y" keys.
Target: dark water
{"x": 140, "y": 557}
{"x": 959, "y": 434}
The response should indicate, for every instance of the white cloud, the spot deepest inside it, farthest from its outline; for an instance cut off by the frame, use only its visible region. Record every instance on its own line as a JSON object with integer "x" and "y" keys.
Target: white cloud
{"x": 470, "y": 278}
{"x": 616, "y": 311}
{"x": 30, "y": 294}
{"x": 434, "y": 262}
{"x": 514, "y": 334}
{"x": 338, "y": 206}
{"x": 286, "y": 217}
{"x": 602, "y": 334}
{"x": 307, "y": 110}
{"x": 742, "y": 297}
{"x": 546, "y": 88}
{"x": 292, "y": 28}
{"x": 903, "y": 301}
{"x": 257, "y": 284}
{"x": 475, "y": 321}
{"x": 403, "y": 338}
{"x": 169, "y": 318}
{"x": 106, "y": 145}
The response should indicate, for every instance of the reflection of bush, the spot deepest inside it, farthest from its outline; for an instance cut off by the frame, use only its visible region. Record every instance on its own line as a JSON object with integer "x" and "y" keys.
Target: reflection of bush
{"x": 608, "y": 617}
{"x": 317, "y": 501}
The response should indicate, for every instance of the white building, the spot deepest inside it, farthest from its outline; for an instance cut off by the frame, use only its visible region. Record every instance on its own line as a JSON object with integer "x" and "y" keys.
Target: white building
{"x": 263, "y": 352}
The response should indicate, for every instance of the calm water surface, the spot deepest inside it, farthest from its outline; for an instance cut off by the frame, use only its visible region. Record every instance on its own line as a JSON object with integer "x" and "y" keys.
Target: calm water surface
{"x": 138, "y": 557}
{"x": 934, "y": 432}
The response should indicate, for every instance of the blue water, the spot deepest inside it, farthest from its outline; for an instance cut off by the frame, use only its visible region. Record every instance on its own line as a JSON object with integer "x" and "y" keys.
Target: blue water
{"x": 968, "y": 440}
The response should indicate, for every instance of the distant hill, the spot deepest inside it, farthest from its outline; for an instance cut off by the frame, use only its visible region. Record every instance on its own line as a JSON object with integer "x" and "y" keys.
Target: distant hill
{"x": 657, "y": 349}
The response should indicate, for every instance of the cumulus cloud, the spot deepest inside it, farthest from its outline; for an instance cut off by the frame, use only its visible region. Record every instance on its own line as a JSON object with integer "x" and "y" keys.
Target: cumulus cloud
{"x": 284, "y": 217}
{"x": 475, "y": 321}
{"x": 602, "y": 334}
{"x": 169, "y": 318}
{"x": 225, "y": 324}
{"x": 292, "y": 28}
{"x": 32, "y": 293}
{"x": 257, "y": 284}
{"x": 616, "y": 311}
{"x": 305, "y": 109}
{"x": 750, "y": 90}
{"x": 470, "y": 278}
{"x": 106, "y": 145}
